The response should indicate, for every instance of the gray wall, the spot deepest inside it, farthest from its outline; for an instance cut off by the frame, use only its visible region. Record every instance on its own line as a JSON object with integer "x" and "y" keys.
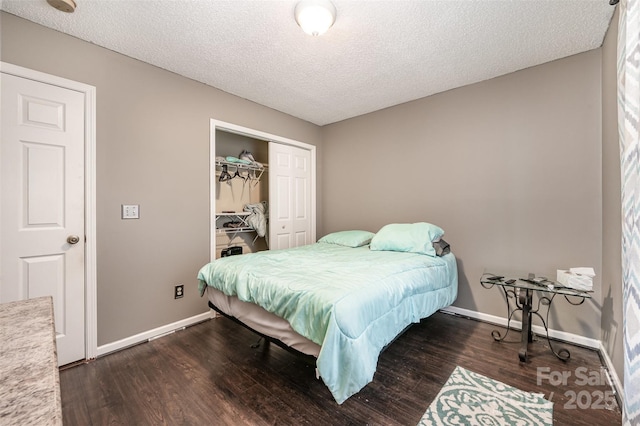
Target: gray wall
{"x": 510, "y": 168}
{"x": 152, "y": 150}
{"x": 612, "y": 335}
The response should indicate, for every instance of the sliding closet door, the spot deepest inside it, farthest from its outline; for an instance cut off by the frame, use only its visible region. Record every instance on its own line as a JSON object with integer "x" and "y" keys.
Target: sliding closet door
{"x": 290, "y": 196}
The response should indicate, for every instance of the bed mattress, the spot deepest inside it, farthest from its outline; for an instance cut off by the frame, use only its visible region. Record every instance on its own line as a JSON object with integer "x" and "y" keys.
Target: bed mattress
{"x": 262, "y": 321}
{"x": 351, "y": 302}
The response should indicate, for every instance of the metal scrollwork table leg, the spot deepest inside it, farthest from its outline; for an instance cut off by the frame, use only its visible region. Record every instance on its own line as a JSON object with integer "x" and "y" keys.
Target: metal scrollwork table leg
{"x": 524, "y": 302}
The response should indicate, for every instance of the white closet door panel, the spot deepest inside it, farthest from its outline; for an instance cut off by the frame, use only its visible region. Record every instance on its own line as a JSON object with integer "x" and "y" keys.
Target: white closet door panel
{"x": 284, "y": 198}
{"x": 301, "y": 206}
{"x": 283, "y": 240}
{"x": 301, "y": 238}
{"x": 302, "y": 196}
{"x": 290, "y": 189}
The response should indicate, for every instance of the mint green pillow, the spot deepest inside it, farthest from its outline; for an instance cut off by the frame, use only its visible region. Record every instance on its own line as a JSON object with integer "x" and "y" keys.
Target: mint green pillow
{"x": 407, "y": 237}
{"x": 348, "y": 238}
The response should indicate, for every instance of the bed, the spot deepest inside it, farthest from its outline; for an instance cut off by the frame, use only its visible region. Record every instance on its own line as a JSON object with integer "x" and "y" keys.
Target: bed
{"x": 342, "y": 299}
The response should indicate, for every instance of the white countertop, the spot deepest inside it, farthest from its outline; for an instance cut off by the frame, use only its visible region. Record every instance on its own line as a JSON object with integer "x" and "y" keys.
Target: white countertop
{"x": 29, "y": 378}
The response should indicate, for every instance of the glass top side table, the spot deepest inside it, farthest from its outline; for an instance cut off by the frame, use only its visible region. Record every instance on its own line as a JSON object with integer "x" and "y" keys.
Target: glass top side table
{"x": 521, "y": 287}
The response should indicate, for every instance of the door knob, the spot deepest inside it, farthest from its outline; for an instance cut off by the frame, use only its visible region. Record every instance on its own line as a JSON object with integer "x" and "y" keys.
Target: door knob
{"x": 73, "y": 239}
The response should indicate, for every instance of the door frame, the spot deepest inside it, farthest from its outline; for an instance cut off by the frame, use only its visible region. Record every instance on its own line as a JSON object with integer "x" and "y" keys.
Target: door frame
{"x": 90, "y": 276}
{"x": 255, "y": 134}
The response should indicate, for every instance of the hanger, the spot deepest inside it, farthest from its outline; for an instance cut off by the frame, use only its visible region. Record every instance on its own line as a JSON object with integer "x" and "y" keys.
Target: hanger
{"x": 237, "y": 174}
{"x": 224, "y": 174}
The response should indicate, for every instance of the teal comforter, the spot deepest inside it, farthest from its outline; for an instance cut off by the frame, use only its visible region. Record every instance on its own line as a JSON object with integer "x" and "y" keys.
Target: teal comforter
{"x": 350, "y": 301}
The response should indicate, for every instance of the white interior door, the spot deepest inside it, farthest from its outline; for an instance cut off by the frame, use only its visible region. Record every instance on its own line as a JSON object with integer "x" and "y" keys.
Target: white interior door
{"x": 289, "y": 196}
{"x": 43, "y": 206}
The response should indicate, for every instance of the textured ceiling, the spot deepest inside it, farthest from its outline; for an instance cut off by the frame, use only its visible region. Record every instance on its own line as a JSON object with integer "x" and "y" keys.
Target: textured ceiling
{"x": 377, "y": 54}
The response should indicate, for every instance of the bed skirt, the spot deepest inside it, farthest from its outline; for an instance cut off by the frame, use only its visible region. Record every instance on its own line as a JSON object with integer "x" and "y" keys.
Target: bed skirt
{"x": 262, "y": 321}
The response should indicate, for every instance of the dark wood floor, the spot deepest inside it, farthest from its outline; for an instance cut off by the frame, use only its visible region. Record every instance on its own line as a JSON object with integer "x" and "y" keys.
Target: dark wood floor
{"x": 209, "y": 374}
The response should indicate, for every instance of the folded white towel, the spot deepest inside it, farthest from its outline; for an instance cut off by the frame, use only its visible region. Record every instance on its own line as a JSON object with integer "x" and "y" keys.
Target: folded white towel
{"x": 583, "y": 271}
{"x": 575, "y": 281}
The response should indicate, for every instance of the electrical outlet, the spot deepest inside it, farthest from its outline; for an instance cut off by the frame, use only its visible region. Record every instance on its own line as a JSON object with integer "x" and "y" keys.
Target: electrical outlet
{"x": 178, "y": 292}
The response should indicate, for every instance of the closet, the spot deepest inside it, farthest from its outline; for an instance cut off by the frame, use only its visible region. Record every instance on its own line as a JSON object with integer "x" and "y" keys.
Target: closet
{"x": 262, "y": 191}
{"x": 238, "y": 187}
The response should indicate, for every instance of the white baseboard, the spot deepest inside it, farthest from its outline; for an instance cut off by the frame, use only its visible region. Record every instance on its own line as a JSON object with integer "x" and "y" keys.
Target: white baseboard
{"x": 613, "y": 374}
{"x": 151, "y": 334}
{"x": 517, "y": 325}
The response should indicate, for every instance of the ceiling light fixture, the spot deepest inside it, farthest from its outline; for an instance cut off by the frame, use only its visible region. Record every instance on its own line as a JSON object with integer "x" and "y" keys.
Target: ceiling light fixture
{"x": 315, "y": 17}
{"x": 64, "y": 5}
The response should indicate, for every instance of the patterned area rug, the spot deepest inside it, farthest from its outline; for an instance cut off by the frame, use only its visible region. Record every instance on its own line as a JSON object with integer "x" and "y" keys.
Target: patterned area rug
{"x": 469, "y": 398}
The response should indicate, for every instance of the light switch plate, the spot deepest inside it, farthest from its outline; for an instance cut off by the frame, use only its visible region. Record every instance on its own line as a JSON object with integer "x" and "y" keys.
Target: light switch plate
{"x": 131, "y": 211}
